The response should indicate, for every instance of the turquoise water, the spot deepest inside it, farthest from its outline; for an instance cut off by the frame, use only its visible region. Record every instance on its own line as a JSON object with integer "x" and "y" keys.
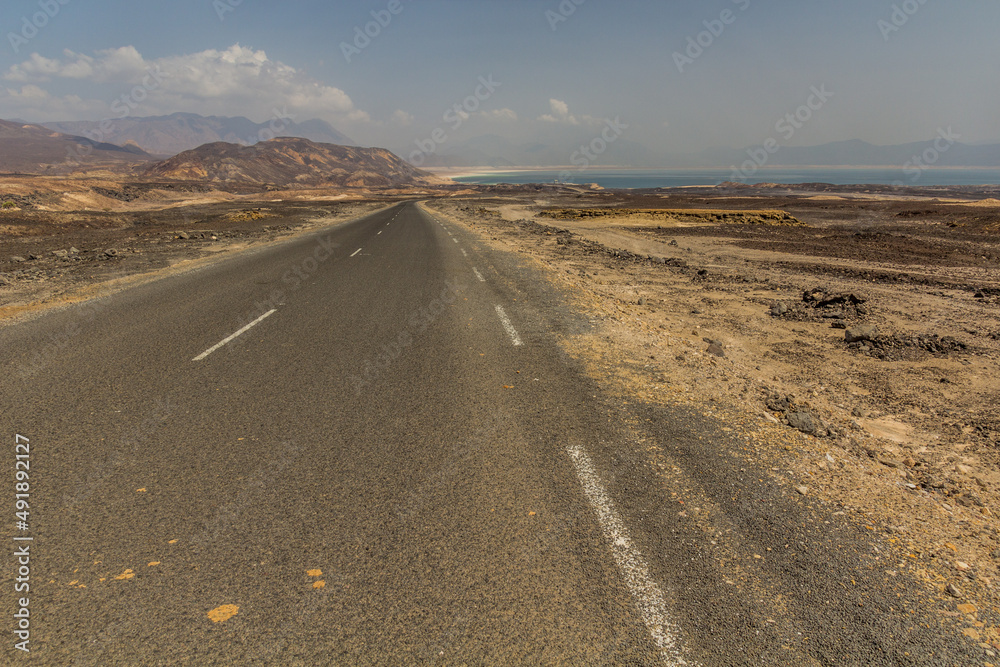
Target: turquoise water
{"x": 672, "y": 178}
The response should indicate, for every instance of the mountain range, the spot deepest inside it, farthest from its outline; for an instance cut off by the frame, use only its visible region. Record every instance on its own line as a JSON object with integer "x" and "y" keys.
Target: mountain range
{"x": 290, "y": 161}
{"x": 495, "y": 151}
{"x": 170, "y": 135}
{"x": 35, "y": 149}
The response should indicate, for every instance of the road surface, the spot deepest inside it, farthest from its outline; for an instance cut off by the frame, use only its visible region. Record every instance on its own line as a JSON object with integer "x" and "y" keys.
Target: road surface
{"x": 365, "y": 446}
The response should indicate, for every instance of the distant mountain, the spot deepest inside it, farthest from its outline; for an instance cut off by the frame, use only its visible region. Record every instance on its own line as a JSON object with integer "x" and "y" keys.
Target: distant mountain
{"x": 35, "y": 149}
{"x": 561, "y": 148}
{"x": 289, "y": 162}
{"x": 169, "y": 135}
{"x": 857, "y": 153}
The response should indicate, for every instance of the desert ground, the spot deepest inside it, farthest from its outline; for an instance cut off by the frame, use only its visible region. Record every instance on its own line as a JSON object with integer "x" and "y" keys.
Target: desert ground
{"x": 850, "y": 336}
{"x": 742, "y": 306}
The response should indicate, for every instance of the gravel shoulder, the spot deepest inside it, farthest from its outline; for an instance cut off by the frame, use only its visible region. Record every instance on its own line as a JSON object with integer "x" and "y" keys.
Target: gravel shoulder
{"x": 747, "y": 323}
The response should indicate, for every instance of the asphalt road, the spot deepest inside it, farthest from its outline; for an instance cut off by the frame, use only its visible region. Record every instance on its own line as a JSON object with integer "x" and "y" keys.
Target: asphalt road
{"x": 364, "y": 446}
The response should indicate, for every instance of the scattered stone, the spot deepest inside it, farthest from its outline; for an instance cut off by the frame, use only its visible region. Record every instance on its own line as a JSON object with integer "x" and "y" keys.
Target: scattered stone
{"x": 74, "y": 251}
{"x": 3, "y": 280}
{"x": 967, "y": 608}
{"x": 642, "y": 299}
{"x": 971, "y": 633}
{"x": 18, "y": 259}
{"x": 716, "y": 350}
{"x": 953, "y": 590}
{"x": 839, "y": 324}
{"x": 109, "y": 253}
{"x": 778, "y": 309}
{"x": 857, "y": 412}
{"x": 891, "y": 463}
{"x": 802, "y": 490}
{"x": 861, "y": 333}
{"x": 61, "y": 253}
{"x": 805, "y": 422}
{"x": 779, "y": 404}
{"x": 673, "y": 242}
{"x": 183, "y": 236}
{"x": 32, "y": 257}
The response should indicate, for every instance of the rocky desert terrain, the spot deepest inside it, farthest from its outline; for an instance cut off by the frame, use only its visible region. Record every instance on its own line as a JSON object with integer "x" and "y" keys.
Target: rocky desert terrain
{"x": 851, "y": 338}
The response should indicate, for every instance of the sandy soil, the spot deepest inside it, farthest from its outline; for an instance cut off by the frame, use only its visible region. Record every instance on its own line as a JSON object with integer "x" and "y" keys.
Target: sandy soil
{"x": 904, "y": 433}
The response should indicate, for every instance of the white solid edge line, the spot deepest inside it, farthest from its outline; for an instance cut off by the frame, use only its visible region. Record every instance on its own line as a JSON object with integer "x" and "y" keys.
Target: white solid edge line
{"x": 478, "y": 275}
{"x": 235, "y": 335}
{"x": 511, "y": 331}
{"x": 356, "y": 252}
{"x": 646, "y": 593}
{"x": 379, "y": 233}
{"x": 455, "y": 240}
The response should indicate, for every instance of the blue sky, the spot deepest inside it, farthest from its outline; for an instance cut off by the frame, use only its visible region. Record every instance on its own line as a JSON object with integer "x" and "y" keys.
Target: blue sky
{"x": 889, "y": 83}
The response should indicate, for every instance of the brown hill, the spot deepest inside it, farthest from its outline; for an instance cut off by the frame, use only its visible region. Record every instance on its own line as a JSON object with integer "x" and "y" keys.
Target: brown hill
{"x": 288, "y": 162}
{"x": 33, "y": 149}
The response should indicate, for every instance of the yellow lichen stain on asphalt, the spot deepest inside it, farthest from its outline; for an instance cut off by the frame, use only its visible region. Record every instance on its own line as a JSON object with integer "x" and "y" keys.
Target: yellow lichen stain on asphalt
{"x": 172, "y": 542}
{"x": 127, "y": 574}
{"x": 142, "y": 490}
{"x": 154, "y": 563}
{"x": 74, "y": 582}
{"x": 315, "y": 573}
{"x": 319, "y": 584}
{"x": 223, "y": 613}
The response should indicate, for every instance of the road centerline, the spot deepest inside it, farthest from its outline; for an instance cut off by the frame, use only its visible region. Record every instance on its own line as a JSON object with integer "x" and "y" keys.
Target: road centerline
{"x": 356, "y": 252}
{"x": 235, "y": 335}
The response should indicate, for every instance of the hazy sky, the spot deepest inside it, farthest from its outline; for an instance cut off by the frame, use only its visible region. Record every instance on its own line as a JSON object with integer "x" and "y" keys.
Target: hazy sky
{"x": 929, "y": 64}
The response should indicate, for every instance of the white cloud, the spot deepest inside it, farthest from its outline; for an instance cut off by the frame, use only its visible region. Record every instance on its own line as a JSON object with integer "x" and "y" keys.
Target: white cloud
{"x": 505, "y": 115}
{"x": 560, "y": 113}
{"x": 238, "y": 81}
{"x": 34, "y": 104}
{"x": 400, "y": 117}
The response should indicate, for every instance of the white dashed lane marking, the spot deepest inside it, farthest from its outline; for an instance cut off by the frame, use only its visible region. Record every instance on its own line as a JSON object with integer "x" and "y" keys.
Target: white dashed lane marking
{"x": 235, "y": 335}
{"x": 645, "y": 592}
{"x": 511, "y": 331}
